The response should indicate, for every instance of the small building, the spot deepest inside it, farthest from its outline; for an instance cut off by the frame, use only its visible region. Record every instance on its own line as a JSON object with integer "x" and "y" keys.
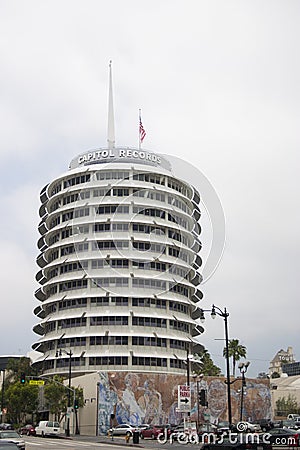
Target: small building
{"x": 281, "y": 357}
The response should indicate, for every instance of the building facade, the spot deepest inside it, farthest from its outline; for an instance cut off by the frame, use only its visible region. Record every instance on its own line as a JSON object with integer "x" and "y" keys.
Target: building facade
{"x": 282, "y": 357}
{"x": 118, "y": 266}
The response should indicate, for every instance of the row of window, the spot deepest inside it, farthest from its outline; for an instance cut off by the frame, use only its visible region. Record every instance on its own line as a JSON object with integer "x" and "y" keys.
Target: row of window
{"x": 118, "y": 209}
{"x": 119, "y": 227}
{"x": 101, "y": 361}
{"x": 143, "y": 302}
{"x": 117, "y": 321}
{"x": 118, "y": 264}
{"x": 148, "y": 341}
{"x": 121, "y": 175}
{"x": 116, "y": 244}
{"x": 138, "y": 283}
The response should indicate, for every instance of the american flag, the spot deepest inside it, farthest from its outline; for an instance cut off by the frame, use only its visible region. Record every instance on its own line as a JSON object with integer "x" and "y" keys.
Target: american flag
{"x": 142, "y": 131}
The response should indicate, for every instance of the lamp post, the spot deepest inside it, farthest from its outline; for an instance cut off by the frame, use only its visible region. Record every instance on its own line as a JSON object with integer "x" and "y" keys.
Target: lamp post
{"x": 243, "y": 367}
{"x": 70, "y": 354}
{"x": 214, "y": 311}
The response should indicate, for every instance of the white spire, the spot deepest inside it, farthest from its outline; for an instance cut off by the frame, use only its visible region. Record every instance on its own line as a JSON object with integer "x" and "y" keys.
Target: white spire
{"x": 111, "y": 121}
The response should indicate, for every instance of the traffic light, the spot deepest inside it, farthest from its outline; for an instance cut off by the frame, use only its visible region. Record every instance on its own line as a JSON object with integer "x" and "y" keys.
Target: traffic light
{"x": 22, "y": 378}
{"x": 76, "y": 405}
{"x": 202, "y": 397}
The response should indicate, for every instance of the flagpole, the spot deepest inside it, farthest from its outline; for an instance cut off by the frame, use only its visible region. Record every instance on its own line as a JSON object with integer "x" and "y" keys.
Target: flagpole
{"x": 140, "y": 142}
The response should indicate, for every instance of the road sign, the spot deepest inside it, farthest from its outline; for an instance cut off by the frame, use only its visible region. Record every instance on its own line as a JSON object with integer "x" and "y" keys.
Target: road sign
{"x": 184, "y": 398}
{"x": 37, "y": 382}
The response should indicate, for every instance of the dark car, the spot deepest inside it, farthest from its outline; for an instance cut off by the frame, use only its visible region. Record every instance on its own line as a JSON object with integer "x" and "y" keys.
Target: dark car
{"x": 284, "y": 437}
{"x": 265, "y": 424}
{"x": 6, "y": 426}
{"x": 152, "y": 431}
{"x": 28, "y": 430}
{"x": 12, "y": 436}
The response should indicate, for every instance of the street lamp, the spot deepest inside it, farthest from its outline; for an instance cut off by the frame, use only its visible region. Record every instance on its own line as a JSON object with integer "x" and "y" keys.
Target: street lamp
{"x": 214, "y": 311}
{"x": 70, "y": 354}
{"x": 243, "y": 367}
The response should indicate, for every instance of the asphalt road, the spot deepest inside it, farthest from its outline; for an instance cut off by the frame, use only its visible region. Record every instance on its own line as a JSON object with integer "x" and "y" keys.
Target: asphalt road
{"x": 85, "y": 442}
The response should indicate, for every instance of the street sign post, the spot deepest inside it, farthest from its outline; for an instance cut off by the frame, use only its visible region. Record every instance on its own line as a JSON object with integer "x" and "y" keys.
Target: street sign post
{"x": 184, "y": 398}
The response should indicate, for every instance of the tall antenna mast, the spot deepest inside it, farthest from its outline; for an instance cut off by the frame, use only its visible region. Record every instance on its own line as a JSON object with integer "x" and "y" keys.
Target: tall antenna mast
{"x": 111, "y": 120}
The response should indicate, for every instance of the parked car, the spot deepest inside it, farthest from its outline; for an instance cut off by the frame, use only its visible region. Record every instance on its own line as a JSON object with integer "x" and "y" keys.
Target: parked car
{"x": 6, "y": 426}
{"x": 142, "y": 426}
{"x": 152, "y": 431}
{"x": 123, "y": 429}
{"x": 293, "y": 417}
{"x": 265, "y": 424}
{"x": 248, "y": 427}
{"x": 291, "y": 424}
{"x": 284, "y": 437}
{"x": 47, "y": 428}
{"x": 28, "y": 429}
{"x": 14, "y": 437}
{"x": 222, "y": 427}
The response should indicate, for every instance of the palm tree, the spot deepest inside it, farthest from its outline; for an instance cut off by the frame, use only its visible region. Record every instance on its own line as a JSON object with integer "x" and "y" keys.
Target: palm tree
{"x": 236, "y": 351}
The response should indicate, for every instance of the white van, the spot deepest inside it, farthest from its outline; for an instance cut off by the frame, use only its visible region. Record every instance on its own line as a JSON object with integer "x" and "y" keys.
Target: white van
{"x": 47, "y": 428}
{"x": 293, "y": 417}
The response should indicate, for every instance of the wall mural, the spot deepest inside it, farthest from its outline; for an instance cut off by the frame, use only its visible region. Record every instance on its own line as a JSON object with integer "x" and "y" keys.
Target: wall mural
{"x": 152, "y": 398}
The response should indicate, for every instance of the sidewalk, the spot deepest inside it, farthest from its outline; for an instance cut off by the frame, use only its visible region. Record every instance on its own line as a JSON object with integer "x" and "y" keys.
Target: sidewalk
{"x": 120, "y": 440}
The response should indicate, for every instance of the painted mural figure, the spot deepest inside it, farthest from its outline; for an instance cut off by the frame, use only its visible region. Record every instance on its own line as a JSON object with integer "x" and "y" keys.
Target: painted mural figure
{"x": 216, "y": 397}
{"x": 151, "y": 403}
{"x": 128, "y": 410}
{"x": 175, "y": 417}
{"x": 107, "y": 399}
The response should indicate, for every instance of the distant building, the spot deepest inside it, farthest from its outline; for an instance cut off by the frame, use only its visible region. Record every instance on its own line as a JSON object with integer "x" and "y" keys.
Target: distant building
{"x": 291, "y": 369}
{"x": 282, "y": 357}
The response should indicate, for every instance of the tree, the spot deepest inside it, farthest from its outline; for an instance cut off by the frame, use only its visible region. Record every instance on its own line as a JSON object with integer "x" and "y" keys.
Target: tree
{"x": 15, "y": 367}
{"x": 21, "y": 400}
{"x": 206, "y": 365}
{"x": 236, "y": 351}
{"x": 287, "y": 405}
{"x": 275, "y": 375}
{"x": 56, "y": 396}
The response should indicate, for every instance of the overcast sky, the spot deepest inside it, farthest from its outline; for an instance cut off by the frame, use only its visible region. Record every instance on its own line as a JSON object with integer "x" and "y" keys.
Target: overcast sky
{"x": 218, "y": 84}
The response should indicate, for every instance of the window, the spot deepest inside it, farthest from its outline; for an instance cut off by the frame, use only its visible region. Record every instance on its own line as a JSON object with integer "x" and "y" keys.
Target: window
{"x": 73, "y": 303}
{"x": 108, "y": 361}
{"x": 109, "y": 245}
{"x": 109, "y": 321}
{"x": 146, "y": 361}
{"x": 74, "y": 284}
{"x": 115, "y": 175}
{"x": 82, "y": 212}
{"x": 110, "y": 209}
{"x": 72, "y": 323}
{"x": 99, "y": 227}
{"x": 152, "y": 212}
{"x": 77, "y": 180}
{"x": 149, "y": 178}
{"x": 149, "y": 322}
{"x": 107, "y": 282}
{"x": 148, "y": 283}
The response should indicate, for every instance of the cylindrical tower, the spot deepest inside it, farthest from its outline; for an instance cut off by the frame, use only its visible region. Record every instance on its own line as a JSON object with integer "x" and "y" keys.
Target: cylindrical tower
{"x": 118, "y": 266}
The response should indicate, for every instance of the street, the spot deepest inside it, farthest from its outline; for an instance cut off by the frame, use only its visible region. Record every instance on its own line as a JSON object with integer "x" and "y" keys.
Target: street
{"x": 78, "y": 443}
